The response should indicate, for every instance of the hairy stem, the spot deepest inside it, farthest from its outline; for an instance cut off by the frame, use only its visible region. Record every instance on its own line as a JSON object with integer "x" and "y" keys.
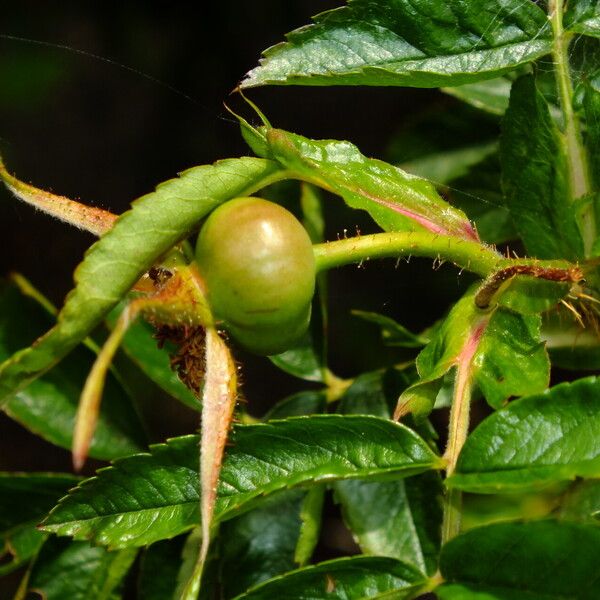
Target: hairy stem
{"x": 469, "y": 255}
{"x": 578, "y": 169}
{"x": 458, "y": 429}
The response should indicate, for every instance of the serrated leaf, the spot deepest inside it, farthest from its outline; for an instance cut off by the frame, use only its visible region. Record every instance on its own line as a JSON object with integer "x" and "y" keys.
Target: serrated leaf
{"x": 534, "y": 441}
{"x": 534, "y": 176}
{"x": 25, "y": 499}
{"x": 491, "y": 95}
{"x": 93, "y": 572}
{"x": 540, "y": 561}
{"x": 48, "y": 405}
{"x": 433, "y": 44}
{"x": 343, "y": 578}
{"x": 140, "y": 237}
{"x": 162, "y": 487}
{"x": 141, "y": 347}
{"x": 504, "y": 348}
{"x": 583, "y": 16}
{"x": 261, "y": 543}
{"x": 159, "y": 567}
{"x": 396, "y": 200}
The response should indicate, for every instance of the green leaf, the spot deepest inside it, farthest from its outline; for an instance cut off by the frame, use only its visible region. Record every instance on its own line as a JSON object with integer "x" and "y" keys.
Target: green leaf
{"x": 343, "y": 578}
{"x": 48, "y": 405}
{"x": 513, "y": 561}
{"x": 93, "y": 572}
{"x": 261, "y": 543}
{"x": 154, "y": 496}
{"x": 534, "y": 176}
{"x": 396, "y": 200}
{"x": 511, "y": 360}
{"x": 141, "y": 347}
{"x": 374, "y": 393}
{"x": 443, "y": 167}
{"x": 435, "y": 131}
{"x": 392, "y": 333}
{"x": 583, "y": 16}
{"x": 533, "y": 441}
{"x": 508, "y": 358}
{"x": 159, "y": 567}
{"x": 400, "y": 519}
{"x": 491, "y": 95}
{"x": 309, "y": 402}
{"x": 25, "y": 500}
{"x": 396, "y": 42}
{"x": 301, "y": 361}
{"x": 311, "y": 516}
{"x": 531, "y": 295}
{"x": 139, "y": 238}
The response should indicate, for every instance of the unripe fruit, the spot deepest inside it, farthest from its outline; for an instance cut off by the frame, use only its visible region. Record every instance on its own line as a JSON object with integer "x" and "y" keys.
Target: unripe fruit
{"x": 259, "y": 268}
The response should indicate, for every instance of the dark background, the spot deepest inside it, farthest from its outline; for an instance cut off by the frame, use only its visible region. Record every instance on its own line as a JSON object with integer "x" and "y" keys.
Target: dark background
{"x": 107, "y": 128}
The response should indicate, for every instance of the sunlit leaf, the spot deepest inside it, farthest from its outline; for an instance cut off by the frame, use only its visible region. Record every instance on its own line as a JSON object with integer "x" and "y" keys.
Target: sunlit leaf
{"x": 534, "y": 441}
{"x": 508, "y": 358}
{"x": 394, "y": 42}
{"x": 396, "y": 200}
{"x": 491, "y": 95}
{"x": 162, "y": 487}
{"x": 583, "y": 16}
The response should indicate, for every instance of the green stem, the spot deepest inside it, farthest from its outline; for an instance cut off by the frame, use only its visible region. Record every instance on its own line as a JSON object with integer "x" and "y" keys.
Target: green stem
{"x": 578, "y": 169}
{"x": 469, "y": 255}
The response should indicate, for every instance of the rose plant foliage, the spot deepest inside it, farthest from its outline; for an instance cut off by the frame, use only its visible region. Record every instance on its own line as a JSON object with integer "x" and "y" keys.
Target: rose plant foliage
{"x": 506, "y": 509}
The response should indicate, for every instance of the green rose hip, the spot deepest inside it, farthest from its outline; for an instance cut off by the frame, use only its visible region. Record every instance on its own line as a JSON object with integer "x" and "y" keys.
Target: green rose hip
{"x": 258, "y": 264}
